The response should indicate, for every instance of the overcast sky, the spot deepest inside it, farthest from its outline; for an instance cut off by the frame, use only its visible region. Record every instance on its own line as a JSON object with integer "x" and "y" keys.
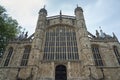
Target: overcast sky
{"x": 104, "y": 13}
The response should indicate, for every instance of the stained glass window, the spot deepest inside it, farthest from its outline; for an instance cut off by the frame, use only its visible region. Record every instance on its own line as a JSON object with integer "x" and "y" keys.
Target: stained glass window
{"x": 61, "y": 44}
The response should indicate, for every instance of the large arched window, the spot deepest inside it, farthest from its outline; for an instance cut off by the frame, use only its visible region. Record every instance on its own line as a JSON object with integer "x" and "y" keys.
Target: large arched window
{"x": 25, "y": 56}
{"x": 10, "y": 51}
{"x": 61, "y": 44}
{"x": 117, "y": 53}
{"x": 96, "y": 55}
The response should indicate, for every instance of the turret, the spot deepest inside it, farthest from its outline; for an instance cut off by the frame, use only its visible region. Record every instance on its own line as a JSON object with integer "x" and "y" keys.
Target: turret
{"x": 42, "y": 18}
{"x": 80, "y": 22}
{"x": 79, "y": 13}
{"x": 82, "y": 35}
{"x": 43, "y": 11}
{"x": 41, "y": 24}
{"x": 38, "y": 37}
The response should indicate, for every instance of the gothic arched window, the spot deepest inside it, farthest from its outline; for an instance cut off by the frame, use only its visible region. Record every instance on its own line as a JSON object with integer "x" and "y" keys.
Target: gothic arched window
{"x": 96, "y": 55}
{"x": 117, "y": 53}
{"x": 25, "y": 56}
{"x": 10, "y": 51}
{"x": 61, "y": 43}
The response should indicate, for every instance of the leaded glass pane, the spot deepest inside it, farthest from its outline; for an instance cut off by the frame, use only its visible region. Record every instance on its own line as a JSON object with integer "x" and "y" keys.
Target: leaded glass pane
{"x": 60, "y": 44}
{"x": 97, "y": 56}
{"x": 10, "y": 51}
{"x": 25, "y": 56}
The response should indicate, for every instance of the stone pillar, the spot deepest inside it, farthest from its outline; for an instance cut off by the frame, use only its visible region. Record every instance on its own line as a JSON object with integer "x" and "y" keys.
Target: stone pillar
{"x": 37, "y": 44}
{"x": 84, "y": 43}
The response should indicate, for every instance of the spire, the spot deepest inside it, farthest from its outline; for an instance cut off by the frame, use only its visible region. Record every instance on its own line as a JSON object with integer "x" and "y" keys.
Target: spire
{"x": 102, "y": 34}
{"x": 60, "y": 12}
{"x": 97, "y": 33}
{"x": 26, "y": 34}
{"x": 77, "y": 5}
{"x": 114, "y": 36}
{"x": 44, "y": 6}
{"x": 100, "y": 27}
{"x": 60, "y": 15}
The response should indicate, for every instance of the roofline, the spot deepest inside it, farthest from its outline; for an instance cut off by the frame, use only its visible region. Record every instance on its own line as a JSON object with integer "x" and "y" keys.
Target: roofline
{"x": 63, "y": 16}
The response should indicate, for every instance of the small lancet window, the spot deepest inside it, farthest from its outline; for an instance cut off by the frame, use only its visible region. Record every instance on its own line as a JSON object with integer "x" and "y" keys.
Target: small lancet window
{"x": 117, "y": 53}
{"x": 96, "y": 54}
{"x": 25, "y": 56}
{"x": 10, "y": 52}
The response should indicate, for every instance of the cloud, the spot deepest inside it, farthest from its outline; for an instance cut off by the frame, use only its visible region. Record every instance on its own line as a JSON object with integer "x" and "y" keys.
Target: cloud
{"x": 24, "y": 11}
{"x": 103, "y": 13}
{"x": 97, "y": 13}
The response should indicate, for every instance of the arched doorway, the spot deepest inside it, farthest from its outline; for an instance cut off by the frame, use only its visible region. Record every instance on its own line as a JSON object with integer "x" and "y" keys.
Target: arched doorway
{"x": 60, "y": 72}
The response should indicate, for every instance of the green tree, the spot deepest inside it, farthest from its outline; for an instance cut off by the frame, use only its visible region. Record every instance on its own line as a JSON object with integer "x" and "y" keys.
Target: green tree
{"x": 8, "y": 29}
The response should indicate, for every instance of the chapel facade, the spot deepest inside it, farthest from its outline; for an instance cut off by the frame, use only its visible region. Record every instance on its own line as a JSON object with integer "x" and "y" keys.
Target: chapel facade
{"x": 61, "y": 48}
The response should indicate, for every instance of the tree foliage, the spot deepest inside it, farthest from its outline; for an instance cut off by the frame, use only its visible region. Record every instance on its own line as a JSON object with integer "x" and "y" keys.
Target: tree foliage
{"x": 8, "y": 29}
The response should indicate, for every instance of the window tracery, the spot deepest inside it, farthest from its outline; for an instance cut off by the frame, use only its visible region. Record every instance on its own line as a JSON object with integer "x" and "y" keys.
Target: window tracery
{"x": 25, "y": 56}
{"x": 117, "y": 53}
{"x": 60, "y": 44}
{"x": 10, "y": 52}
{"x": 96, "y": 54}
